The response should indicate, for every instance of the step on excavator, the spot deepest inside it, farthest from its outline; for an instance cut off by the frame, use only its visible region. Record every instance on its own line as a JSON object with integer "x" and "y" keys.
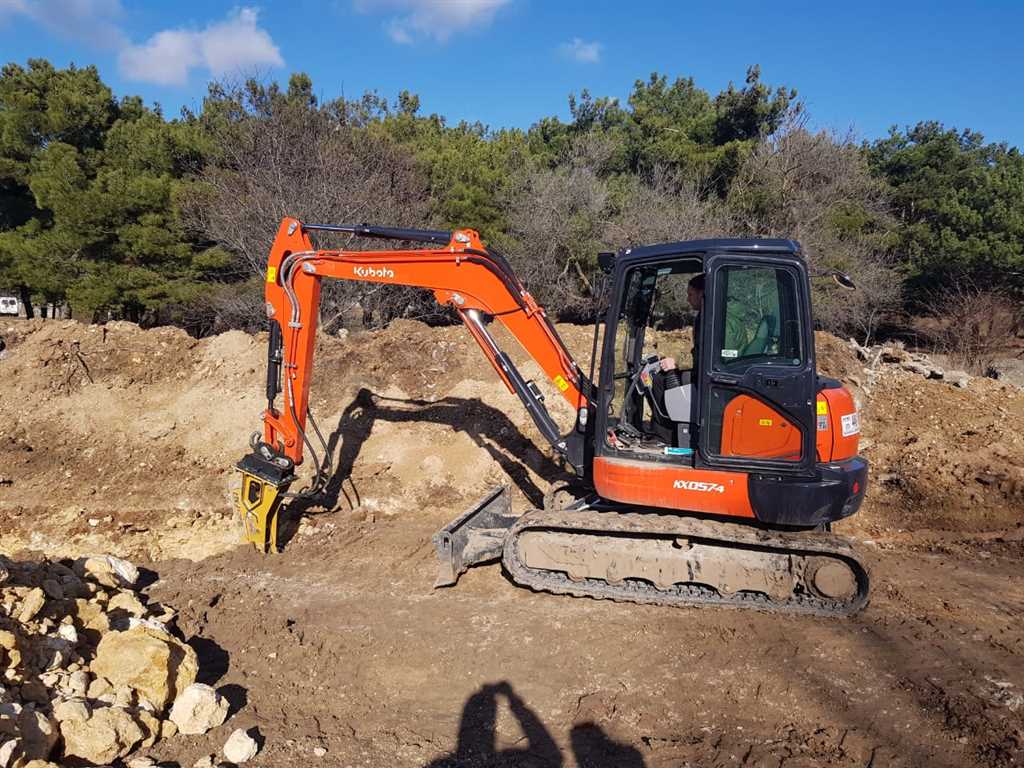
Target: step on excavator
{"x": 715, "y": 485}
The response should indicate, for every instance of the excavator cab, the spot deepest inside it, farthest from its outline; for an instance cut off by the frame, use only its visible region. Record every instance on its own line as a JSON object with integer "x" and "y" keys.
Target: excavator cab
{"x": 757, "y": 422}
{"x": 758, "y": 332}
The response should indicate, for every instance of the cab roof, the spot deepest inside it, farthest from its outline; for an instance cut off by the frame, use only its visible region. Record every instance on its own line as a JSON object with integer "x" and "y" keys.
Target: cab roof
{"x": 751, "y": 245}
{"x": 734, "y": 245}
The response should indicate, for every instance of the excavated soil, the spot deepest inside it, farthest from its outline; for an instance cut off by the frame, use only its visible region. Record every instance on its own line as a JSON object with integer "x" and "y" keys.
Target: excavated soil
{"x": 114, "y": 439}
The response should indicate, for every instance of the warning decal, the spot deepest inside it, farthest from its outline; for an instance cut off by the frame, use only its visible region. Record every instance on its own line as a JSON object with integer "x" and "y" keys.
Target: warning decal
{"x": 851, "y": 424}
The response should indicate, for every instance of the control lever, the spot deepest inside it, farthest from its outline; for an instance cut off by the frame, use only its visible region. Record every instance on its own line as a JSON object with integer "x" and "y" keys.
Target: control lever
{"x": 645, "y": 382}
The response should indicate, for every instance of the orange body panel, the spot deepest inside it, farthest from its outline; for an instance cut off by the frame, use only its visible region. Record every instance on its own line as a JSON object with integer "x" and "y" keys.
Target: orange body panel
{"x": 753, "y": 428}
{"x": 833, "y": 445}
{"x": 461, "y": 274}
{"x": 657, "y": 485}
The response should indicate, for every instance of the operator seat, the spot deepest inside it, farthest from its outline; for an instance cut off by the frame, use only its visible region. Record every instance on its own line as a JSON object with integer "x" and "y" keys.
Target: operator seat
{"x": 676, "y": 394}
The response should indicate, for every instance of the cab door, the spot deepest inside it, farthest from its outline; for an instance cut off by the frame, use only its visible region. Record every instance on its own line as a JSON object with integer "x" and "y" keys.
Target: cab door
{"x": 757, "y": 371}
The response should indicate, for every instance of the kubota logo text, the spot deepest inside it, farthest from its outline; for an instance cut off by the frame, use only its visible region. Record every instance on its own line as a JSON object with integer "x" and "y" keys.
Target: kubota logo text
{"x": 697, "y": 485}
{"x": 371, "y": 272}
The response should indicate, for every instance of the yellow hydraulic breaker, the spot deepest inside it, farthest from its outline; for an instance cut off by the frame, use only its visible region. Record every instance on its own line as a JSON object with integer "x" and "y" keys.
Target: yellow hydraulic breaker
{"x": 259, "y": 501}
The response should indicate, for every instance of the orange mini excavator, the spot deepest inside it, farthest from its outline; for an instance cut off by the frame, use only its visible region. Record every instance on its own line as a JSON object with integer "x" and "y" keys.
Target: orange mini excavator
{"x": 715, "y": 485}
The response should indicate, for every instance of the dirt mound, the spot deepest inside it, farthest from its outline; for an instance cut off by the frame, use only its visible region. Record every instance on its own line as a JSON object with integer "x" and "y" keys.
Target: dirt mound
{"x": 118, "y": 433}
{"x": 123, "y": 440}
{"x": 944, "y": 457}
{"x": 835, "y": 359}
{"x": 126, "y": 438}
{"x": 116, "y": 429}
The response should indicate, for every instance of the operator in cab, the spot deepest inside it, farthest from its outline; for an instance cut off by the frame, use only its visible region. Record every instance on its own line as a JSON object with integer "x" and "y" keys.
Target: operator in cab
{"x": 694, "y": 295}
{"x": 674, "y": 389}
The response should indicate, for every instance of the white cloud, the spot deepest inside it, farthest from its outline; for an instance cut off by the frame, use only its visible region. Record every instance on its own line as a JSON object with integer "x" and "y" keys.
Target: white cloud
{"x": 235, "y": 44}
{"x": 92, "y": 21}
{"x": 164, "y": 59}
{"x": 397, "y": 31}
{"x": 582, "y": 51}
{"x": 431, "y": 19}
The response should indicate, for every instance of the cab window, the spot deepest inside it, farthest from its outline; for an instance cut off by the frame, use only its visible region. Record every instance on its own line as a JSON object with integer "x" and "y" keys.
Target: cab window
{"x": 757, "y": 321}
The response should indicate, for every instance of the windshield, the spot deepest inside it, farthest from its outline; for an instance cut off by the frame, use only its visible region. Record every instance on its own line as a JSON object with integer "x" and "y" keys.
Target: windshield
{"x": 655, "y": 321}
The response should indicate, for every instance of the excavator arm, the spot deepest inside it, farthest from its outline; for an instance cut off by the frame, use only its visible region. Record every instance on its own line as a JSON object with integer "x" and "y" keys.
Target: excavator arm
{"x": 462, "y": 272}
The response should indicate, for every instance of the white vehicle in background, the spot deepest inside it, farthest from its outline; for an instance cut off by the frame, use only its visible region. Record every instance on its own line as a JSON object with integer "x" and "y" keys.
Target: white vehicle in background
{"x": 8, "y": 305}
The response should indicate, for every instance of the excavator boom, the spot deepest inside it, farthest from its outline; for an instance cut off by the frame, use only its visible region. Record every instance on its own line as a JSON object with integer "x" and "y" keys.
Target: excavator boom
{"x": 462, "y": 272}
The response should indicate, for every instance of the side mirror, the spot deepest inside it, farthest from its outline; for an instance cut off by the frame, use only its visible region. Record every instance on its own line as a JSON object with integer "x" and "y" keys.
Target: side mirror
{"x": 844, "y": 280}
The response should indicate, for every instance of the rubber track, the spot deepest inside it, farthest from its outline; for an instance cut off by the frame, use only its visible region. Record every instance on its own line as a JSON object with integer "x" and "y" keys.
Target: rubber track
{"x": 683, "y": 595}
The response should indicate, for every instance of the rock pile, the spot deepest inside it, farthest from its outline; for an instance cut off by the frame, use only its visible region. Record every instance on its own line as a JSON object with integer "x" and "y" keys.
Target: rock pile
{"x": 894, "y": 355}
{"x": 88, "y": 669}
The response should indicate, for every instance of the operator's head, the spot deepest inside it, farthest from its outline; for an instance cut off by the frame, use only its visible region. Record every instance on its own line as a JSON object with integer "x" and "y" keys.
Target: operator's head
{"x": 695, "y": 292}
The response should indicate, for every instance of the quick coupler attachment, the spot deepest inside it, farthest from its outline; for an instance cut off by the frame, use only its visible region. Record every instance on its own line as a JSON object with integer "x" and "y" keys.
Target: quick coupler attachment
{"x": 264, "y": 483}
{"x": 476, "y": 536}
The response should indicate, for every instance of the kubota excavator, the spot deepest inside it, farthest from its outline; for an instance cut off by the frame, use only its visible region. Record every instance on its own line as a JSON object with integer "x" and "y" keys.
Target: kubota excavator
{"x": 720, "y": 491}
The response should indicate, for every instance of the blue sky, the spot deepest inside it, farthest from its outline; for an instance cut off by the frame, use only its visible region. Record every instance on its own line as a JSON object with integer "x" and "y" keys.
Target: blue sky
{"x": 863, "y": 66}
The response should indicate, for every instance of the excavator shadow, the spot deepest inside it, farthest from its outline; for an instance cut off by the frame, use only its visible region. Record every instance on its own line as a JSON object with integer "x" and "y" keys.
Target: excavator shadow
{"x": 489, "y": 428}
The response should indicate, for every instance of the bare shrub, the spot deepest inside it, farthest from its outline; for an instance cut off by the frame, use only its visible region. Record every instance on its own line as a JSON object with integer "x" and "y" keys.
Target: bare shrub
{"x": 664, "y": 209}
{"x": 230, "y": 306}
{"x": 556, "y": 218}
{"x": 859, "y": 312}
{"x": 280, "y": 155}
{"x": 562, "y": 217}
{"x": 973, "y": 324}
{"x": 816, "y": 188}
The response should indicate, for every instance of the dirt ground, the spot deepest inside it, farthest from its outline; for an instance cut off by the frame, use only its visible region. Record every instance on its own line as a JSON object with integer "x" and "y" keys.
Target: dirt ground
{"x": 118, "y": 440}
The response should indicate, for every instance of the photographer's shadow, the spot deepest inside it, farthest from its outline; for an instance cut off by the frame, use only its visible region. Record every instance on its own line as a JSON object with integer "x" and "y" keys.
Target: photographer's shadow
{"x": 477, "y": 738}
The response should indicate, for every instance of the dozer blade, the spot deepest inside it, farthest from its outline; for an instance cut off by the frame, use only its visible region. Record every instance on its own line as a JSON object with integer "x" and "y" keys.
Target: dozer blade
{"x": 259, "y": 502}
{"x": 476, "y": 536}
